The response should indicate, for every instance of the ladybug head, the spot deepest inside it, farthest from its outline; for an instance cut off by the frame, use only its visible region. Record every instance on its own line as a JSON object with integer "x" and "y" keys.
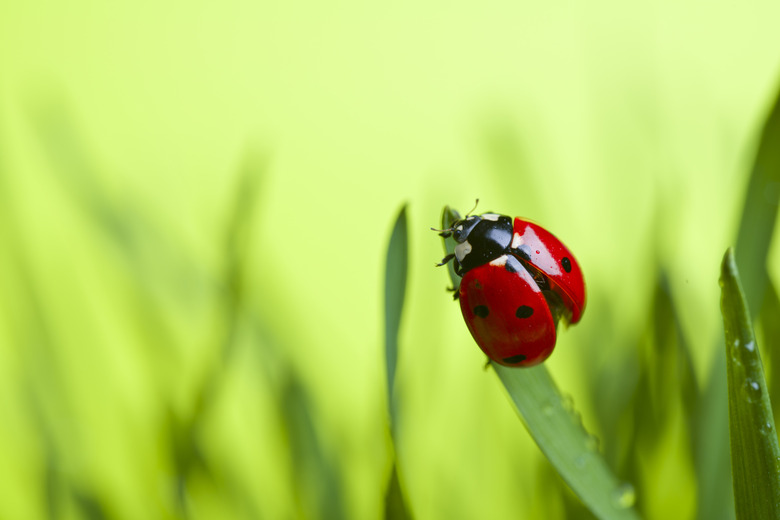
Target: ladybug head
{"x": 480, "y": 239}
{"x": 461, "y": 228}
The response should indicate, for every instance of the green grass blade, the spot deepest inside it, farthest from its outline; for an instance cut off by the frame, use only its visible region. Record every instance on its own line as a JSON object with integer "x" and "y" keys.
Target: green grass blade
{"x": 755, "y": 455}
{"x": 395, "y": 290}
{"x": 558, "y": 431}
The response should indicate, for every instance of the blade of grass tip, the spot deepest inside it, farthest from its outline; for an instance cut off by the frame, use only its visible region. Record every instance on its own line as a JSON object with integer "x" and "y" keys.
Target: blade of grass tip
{"x": 755, "y": 454}
{"x": 558, "y": 431}
{"x": 395, "y": 290}
{"x": 396, "y": 270}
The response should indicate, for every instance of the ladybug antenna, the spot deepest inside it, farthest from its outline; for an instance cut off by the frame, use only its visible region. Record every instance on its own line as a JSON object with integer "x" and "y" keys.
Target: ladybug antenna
{"x": 441, "y": 230}
{"x": 476, "y": 203}
{"x": 446, "y": 233}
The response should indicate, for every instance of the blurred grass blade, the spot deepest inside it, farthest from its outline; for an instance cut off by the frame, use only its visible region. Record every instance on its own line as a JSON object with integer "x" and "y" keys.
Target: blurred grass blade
{"x": 395, "y": 289}
{"x": 653, "y": 399}
{"x": 558, "y": 431}
{"x": 759, "y": 211}
{"x": 755, "y": 455}
{"x": 395, "y": 504}
{"x": 319, "y": 483}
{"x": 715, "y": 493}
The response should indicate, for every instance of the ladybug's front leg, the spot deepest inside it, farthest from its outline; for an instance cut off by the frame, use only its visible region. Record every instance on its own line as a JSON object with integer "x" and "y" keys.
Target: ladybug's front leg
{"x": 446, "y": 259}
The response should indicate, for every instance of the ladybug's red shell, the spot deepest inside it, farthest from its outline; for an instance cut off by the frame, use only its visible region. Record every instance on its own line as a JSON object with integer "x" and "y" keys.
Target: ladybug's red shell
{"x": 506, "y": 313}
{"x": 518, "y": 279}
{"x": 544, "y": 252}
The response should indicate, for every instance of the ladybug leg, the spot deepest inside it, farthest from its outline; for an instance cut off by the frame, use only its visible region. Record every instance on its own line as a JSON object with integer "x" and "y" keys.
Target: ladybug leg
{"x": 446, "y": 259}
{"x": 455, "y": 292}
{"x": 487, "y": 364}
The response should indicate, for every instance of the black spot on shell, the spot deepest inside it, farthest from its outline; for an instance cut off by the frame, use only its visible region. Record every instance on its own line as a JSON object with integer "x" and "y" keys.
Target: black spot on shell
{"x": 481, "y": 311}
{"x": 566, "y": 264}
{"x": 524, "y": 311}
{"x": 513, "y": 360}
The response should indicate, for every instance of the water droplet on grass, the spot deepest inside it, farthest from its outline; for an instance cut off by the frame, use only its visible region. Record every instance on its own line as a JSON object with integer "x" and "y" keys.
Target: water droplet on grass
{"x": 549, "y": 406}
{"x": 623, "y": 496}
{"x": 752, "y": 391}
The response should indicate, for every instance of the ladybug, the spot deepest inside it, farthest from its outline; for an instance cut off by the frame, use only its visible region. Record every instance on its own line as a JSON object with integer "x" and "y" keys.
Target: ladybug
{"x": 518, "y": 281}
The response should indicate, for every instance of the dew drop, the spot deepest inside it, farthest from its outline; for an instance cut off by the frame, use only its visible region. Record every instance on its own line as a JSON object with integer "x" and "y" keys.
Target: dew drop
{"x": 592, "y": 443}
{"x": 568, "y": 403}
{"x": 766, "y": 429}
{"x": 750, "y": 346}
{"x": 623, "y": 496}
{"x": 549, "y": 407}
{"x": 751, "y": 390}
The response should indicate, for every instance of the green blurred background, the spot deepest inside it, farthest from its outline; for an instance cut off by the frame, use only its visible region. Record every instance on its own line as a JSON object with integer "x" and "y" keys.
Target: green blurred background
{"x": 195, "y": 204}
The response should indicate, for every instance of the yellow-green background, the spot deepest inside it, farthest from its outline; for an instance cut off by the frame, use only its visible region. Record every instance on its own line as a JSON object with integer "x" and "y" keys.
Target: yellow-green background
{"x": 131, "y": 351}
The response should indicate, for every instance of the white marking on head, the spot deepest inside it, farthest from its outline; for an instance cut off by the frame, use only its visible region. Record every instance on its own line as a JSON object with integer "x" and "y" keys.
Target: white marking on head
{"x": 462, "y": 250}
{"x": 490, "y": 216}
{"x": 517, "y": 241}
{"x": 500, "y": 261}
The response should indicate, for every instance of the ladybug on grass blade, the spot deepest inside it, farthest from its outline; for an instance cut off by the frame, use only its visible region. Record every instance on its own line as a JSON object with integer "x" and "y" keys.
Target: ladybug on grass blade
{"x": 518, "y": 281}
